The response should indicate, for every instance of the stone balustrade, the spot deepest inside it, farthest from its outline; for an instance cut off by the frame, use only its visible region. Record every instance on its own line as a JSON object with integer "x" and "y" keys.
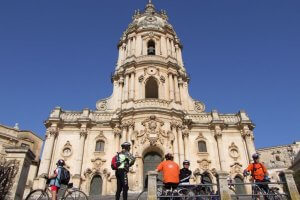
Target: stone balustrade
{"x": 224, "y": 191}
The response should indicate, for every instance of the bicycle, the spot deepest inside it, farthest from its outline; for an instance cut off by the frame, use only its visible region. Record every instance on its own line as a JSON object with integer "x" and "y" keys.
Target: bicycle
{"x": 69, "y": 193}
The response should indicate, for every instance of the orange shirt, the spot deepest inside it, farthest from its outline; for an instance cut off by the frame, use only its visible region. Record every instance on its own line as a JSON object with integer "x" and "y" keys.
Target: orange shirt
{"x": 258, "y": 170}
{"x": 170, "y": 171}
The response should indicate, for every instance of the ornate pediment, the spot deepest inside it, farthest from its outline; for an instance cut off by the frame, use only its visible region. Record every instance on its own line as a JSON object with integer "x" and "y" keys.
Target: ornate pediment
{"x": 204, "y": 164}
{"x": 152, "y": 132}
{"x": 236, "y": 168}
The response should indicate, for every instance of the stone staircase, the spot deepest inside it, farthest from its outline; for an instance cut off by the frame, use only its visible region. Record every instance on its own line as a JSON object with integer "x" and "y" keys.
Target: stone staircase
{"x": 131, "y": 196}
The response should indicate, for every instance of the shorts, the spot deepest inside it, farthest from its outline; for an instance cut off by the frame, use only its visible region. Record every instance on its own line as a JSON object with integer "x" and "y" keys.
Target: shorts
{"x": 54, "y": 188}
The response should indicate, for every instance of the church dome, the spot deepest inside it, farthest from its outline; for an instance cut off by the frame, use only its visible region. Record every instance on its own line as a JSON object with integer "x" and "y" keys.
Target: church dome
{"x": 149, "y": 20}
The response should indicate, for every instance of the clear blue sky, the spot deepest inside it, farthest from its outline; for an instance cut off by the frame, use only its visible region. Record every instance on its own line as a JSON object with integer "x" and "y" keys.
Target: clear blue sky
{"x": 241, "y": 54}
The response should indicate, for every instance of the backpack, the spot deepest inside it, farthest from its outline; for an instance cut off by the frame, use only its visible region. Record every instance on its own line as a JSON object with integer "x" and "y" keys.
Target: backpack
{"x": 64, "y": 176}
{"x": 115, "y": 162}
{"x": 254, "y": 169}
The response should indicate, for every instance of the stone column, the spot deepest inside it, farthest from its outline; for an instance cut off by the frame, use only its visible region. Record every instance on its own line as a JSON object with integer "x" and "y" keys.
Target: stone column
{"x": 120, "y": 94}
{"x": 130, "y": 131}
{"x": 138, "y": 46}
{"x": 79, "y": 157}
{"x": 163, "y": 46}
{"x": 175, "y": 143}
{"x": 129, "y": 47}
{"x": 180, "y": 57}
{"x": 173, "y": 49}
{"x": 223, "y": 185}
{"x": 132, "y": 78}
{"x": 126, "y": 87}
{"x": 141, "y": 85}
{"x": 181, "y": 146}
{"x": 47, "y": 153}
{"x": 117, "y": 133}
{"x": 171, "y": 85}
{"x": 168, "y": 47}
{"x": 181, "y": 92}
{"x": 133, "y": 45}
{"x": 124, "y": 133}
{"x": 177, "y": 98}
{"x": 186, "y": 134}
{"x": 120, "y": 56}
{"x": 22, "y": 160}
{"x": 152, "y": 185}
{"x": 218, "y": 136}
{"x": 124, "y": 52}
{"x": 140, "y": 171}
{"x": 291, "y": 185}
{"x": 249, "y": 140}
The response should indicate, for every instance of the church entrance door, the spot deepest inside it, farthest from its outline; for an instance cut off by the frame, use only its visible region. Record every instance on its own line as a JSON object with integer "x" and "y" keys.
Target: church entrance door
{"x": 96, "y": 186}
{"x": 151, "y": 161}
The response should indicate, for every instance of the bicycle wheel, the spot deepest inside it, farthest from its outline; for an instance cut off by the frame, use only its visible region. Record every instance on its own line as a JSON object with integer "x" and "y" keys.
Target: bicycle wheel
{"x": 37, "y": 195}
{"x": 257, "y": 193}
{"x": 274, "y": 195}
{"x": 186, "y": 194}
{"x": 76, "y": 195}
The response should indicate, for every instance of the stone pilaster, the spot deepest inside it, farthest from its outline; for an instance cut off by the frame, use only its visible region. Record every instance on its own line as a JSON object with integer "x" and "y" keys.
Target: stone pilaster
{"x": 175, "y": 143}
{"x": 120, "y": 94}
{"x": 132, "y": 84}
{"x": 186, "y": 134}
{"x": 152, "y": 185}
{"x": 224, "y": 188}
{"x": 177, "y": 97}
{"x": 292, "y": 187}
{"x": 79, "y": 158}
{"x": 181, "y": 145}
{"x": 51, "y": 135}
{"x": 117, "y": 133}
{"x": 249, "y": 140}
{"x": 126, "y": 87}
{"x": 171, "y": 86}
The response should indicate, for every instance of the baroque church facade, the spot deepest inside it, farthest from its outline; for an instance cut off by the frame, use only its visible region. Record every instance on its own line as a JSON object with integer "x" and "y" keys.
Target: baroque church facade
{"x": 151, "y": 108}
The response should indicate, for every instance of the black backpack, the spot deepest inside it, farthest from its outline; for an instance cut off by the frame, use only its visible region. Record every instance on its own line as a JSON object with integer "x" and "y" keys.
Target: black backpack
{"x": 64, "y": 176}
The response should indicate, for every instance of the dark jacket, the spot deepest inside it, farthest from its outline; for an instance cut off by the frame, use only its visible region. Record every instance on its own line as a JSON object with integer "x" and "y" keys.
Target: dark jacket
{"x": 185, "y": 175}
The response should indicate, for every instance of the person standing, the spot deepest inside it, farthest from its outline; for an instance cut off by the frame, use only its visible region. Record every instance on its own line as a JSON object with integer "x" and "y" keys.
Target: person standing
{"x": 170, "y": 171}
{"x": 126, "y": 160}
{"x": 55, "y": 179}
{"x": 185, "y": 174}
{"x": 258, "y": 172}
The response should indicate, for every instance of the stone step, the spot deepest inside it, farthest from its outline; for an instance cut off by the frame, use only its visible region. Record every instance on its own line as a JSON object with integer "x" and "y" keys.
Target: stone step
{"x": 131, "y": 196}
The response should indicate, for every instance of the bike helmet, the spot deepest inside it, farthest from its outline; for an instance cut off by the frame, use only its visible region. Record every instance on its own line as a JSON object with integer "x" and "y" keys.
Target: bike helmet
{"x": 169, "y": 156}
{"x": 255, "y": 156}
{"x": 125, "y": 145}
{"x": 186, "y": 162}
{"x": 60, "y": 162}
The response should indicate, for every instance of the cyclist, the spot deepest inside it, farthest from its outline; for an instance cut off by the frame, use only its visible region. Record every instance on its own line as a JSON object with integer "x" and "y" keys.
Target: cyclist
{"x": 258, "y": 172}
{"x": 126, "y": 160}
{"x": 185, "y": 173}
{"x": 170, "y": 171}
{"x": 55, "y": 178}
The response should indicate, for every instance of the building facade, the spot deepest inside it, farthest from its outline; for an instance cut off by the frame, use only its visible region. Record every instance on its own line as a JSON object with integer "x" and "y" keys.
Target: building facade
{"x": 14, "y": 139}
{"x": 279, "y": 158}
{"x": 150, "y": 107}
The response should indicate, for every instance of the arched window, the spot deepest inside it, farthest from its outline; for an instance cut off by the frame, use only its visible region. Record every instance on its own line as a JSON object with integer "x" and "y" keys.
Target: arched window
{"x": 239, "y": 188}
{"x": 277, "y": 158}
{"x": 99, "y": 145}
{"x": 151, "y": 89}
{"x": 151, "y": 47}
{"x": 202, "y": 146}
